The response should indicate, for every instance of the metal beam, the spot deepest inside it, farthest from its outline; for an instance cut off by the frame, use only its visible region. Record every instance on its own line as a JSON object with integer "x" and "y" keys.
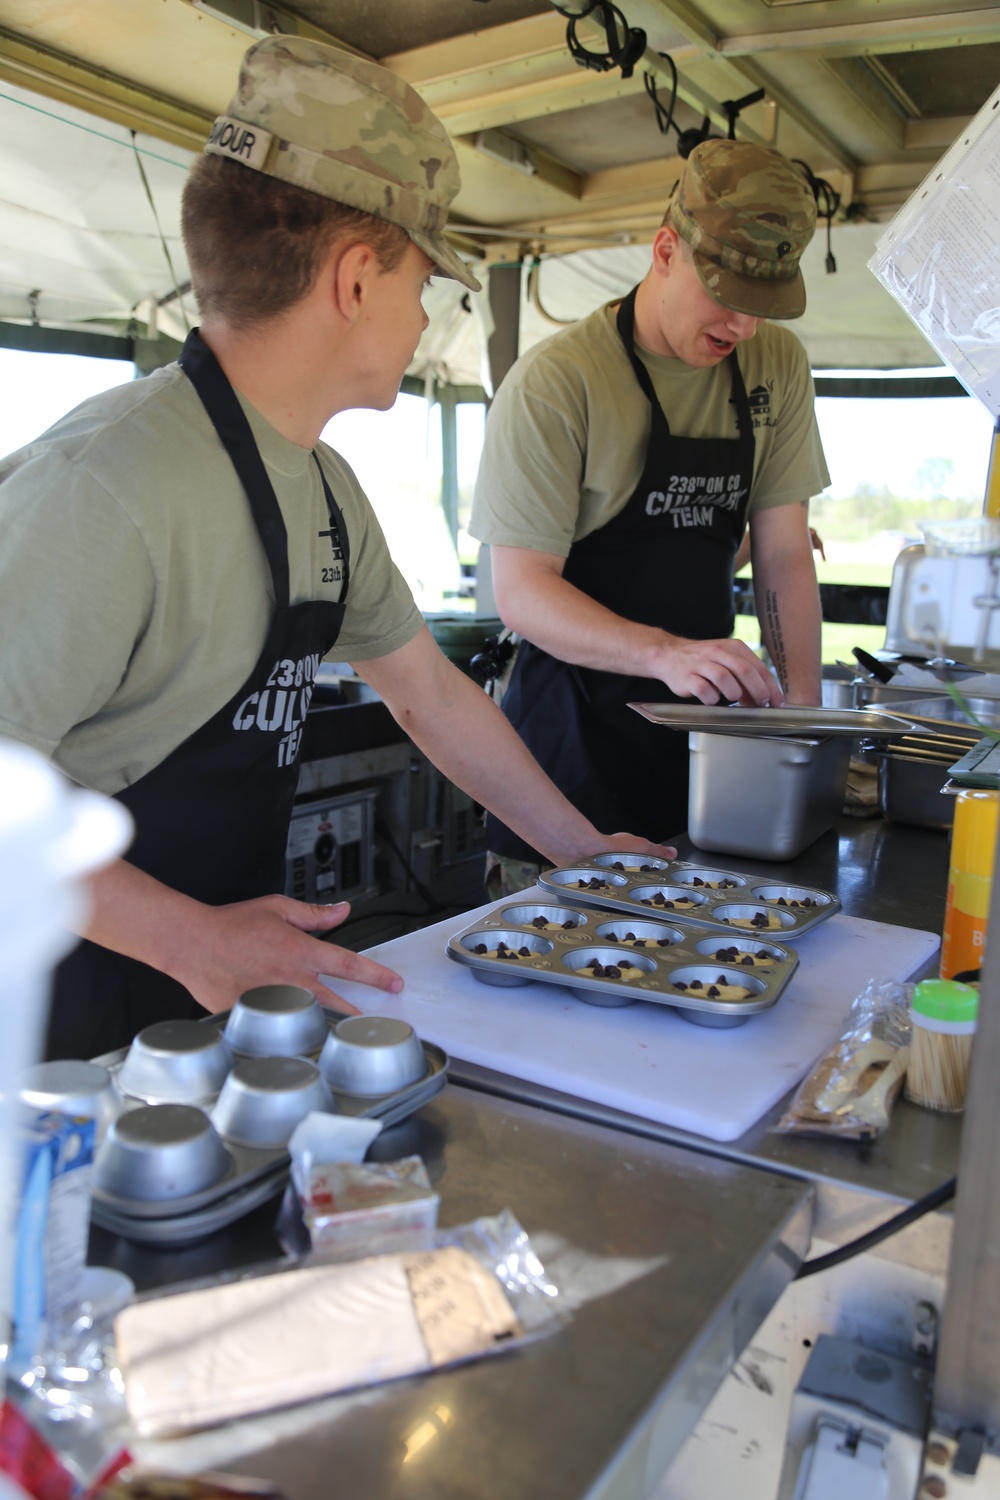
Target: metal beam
{"x": 889, "y": 34}
{"x": 146, "y": 354}
{"x": 934, "y": 135}
{"x": 508, "y": 74}
{"x": 46, "y": 72}
{"x": 505, "y": 305}
{"x": 718, "y": 47}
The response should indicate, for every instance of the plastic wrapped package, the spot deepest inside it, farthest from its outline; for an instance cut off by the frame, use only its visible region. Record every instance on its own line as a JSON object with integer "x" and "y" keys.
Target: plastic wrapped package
{"x": 353, "y": 1209}
{"x": 291, "y": 1333}
{"x": 851, "y": 1090}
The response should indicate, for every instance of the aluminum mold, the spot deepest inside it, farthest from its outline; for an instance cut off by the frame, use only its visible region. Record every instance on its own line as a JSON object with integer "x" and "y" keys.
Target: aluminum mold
{"x": 678, "y": 948}
{"x": 629, "y": 889}
{"x": 192, "y": 1217}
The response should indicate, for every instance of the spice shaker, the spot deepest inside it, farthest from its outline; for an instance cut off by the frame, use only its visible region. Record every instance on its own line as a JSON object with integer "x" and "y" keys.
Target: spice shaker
{"x": 970, "y": 876}
{"x": 944, "y": 1023}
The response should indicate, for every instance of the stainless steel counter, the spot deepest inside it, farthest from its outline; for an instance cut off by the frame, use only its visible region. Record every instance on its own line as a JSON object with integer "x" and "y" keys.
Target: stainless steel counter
{"x": 669, "y": 1248}
{"x": 887, "y": 872}
{"x": 668, "y": 1259}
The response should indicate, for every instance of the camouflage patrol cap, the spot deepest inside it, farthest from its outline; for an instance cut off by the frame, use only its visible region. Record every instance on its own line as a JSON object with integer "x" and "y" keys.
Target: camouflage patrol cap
{"x": 347, "y": 129}
{"x": 748, "y": 213}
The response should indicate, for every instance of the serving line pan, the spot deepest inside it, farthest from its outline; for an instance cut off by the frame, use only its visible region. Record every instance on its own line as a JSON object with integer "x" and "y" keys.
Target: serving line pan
{"x": 725, "y": 901}
{"x": 661, "y": 955}
{"x": 782, "y": 723}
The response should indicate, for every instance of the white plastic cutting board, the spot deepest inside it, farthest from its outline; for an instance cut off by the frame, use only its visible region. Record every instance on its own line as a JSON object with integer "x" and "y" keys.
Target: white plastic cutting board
{"x": 644, "y": 1058}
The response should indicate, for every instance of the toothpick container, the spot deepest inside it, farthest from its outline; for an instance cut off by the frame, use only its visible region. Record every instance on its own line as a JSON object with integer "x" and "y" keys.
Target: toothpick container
{"x": 944, "y": 1023}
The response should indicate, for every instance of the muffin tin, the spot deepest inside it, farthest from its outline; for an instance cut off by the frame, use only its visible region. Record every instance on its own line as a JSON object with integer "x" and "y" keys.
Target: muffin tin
{"x": 560, "y": 944}
{"x": 174, "y": 1169}
{"x": 642, "y": 885}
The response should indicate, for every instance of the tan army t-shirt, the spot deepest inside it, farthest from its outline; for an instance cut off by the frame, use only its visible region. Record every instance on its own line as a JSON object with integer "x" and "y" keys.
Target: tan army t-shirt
{"x": 135, "y": 596}
{"x": 568, "y": 428}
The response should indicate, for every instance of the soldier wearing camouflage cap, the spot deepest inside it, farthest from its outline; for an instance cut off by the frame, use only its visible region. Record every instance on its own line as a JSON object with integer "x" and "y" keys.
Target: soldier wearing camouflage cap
{"x": 210, "y": 550}
{"x": 624, "y": 459}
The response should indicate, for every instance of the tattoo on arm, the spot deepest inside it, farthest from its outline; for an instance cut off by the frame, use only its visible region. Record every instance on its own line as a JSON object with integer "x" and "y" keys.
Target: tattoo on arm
{"x": 776, "y": 640}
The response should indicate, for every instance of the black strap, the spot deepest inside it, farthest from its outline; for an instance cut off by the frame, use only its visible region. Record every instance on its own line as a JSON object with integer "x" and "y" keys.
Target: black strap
{"x": 338, "y": 531}
{"x": 625, "y": 322}
{"x": 229, "y": 420}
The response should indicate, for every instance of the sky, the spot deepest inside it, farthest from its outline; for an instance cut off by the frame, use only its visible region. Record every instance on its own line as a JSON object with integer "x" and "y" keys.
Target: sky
{"x": 884, "y": 443}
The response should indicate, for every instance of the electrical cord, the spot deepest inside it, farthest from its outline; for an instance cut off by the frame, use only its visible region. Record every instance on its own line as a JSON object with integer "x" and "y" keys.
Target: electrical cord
{"x": 624, "y": 44}
{"x": 827, "y": 203}
{"x": 891, "y": 1226}
{"x": 664, "y": 116}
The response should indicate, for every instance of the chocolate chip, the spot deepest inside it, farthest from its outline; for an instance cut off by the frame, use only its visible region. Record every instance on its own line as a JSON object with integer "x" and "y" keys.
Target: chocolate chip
{"x": 598, "y": 969}
{"x": 617, "y": 865}
{"x": 524, "y": 952}
{"x": 612, "y": 972}
{"x": 712, "y": 992}
{"x": 480, "y": 948}
{"x": 747, "y": 960}
{"x": 680, "y": 985}
{"x": 567, "y": 925}
{"x": 663, "y": 942}
{"x": 612, "y": 937}
{"x": 697, "y": 880}
{"x": 538, "y": 922}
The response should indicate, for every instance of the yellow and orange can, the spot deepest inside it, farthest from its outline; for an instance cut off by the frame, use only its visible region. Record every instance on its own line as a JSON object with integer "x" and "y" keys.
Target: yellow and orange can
{"x": 970, "y": 878}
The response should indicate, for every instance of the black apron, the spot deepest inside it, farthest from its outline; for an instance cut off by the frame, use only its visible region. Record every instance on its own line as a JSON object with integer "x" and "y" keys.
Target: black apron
{"x": 212, "y": 819}
{"x": 666, "y": 559}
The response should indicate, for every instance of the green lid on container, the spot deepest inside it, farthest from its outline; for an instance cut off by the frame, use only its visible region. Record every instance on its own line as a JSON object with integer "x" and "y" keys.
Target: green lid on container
{"x": 945, "y": 1000}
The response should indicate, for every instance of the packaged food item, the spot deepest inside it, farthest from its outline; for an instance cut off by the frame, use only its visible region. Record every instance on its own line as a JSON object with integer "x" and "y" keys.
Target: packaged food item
{"x": 193, "y": 1358}
{"x": 970, "y": 877}
{"x": 369, "y": 1208}
{"x": 944, "y": 1016}
{"x": 851, "y": 1090}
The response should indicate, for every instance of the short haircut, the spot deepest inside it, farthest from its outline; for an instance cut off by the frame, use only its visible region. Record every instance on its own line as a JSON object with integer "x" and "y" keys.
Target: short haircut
{"x": 255, "y": 244}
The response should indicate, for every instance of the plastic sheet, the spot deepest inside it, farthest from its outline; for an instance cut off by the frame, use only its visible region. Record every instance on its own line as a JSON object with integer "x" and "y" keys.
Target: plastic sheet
{"x": 938, "y": 257}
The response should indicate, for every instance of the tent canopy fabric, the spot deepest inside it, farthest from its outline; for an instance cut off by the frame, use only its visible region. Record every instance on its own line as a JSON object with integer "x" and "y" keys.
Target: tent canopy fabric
{"x": 83, "y": 247}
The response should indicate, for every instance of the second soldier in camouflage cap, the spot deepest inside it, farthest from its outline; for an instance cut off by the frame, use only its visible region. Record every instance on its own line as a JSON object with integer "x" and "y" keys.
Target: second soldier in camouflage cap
{"x": 748, "y": 214}
{"x": 345, "y": 128}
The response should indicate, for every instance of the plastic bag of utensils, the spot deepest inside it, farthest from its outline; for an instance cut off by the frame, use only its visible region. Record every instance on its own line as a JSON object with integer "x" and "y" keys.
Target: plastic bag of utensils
{"x": 851, "y": 1090}
{"x": 298, "y": 1330}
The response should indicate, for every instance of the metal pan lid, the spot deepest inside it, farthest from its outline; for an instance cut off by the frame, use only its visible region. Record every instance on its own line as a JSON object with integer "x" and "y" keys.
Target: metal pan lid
{"x": 780, "y": 723}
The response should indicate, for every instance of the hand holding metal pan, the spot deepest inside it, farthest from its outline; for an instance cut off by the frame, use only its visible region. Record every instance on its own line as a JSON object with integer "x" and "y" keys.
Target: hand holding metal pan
{"x": 781, "y": 723}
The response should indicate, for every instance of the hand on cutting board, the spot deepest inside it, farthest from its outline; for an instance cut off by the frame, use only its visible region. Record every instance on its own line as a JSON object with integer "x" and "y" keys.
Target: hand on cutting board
{"x": 627, "y": 843}
{"x": 270, "y": 941}
{"x": 219, "y": 952}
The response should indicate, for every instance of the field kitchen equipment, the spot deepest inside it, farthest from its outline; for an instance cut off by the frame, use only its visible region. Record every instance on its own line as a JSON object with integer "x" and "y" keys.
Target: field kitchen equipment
{"x": 767, "y": 782}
